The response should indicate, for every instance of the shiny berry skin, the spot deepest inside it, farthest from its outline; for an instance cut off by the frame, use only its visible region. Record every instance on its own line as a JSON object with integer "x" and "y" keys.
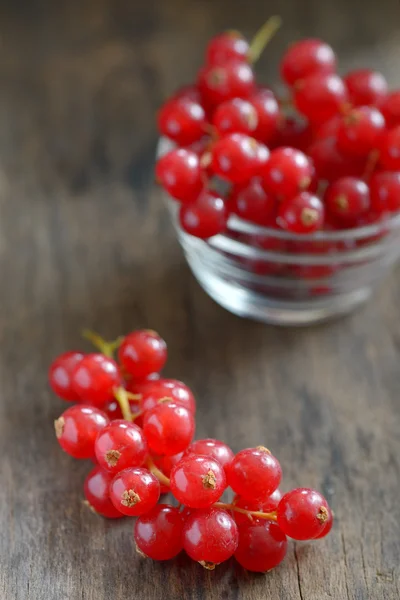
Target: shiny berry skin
{"x": 142, "y": 352}
{"x": 307, "y": 57}
{"x": 252, "y": 203}
{"x": 210, "y": 536}
{"x": 385, "y": 192}
{"x": 212, "y": 448}
{"x": 267, "y": 505}
{"x": 60, "y": 373}
{"x": 206, "y": 217}
{"x": 235, "y": 116}
{"x": 96, "y": 490}
{"x": 113, "y": 409}
{"x": 198, "y": 481}
{"x": 366, "y": 87}
{"x": 158, "y": 533}
{"x": 169, "y": 428}
{"x": 134, "y": 491}
{"x": 293, "y": 132}
{"x": 347, "y": 198}
{"x": 234, "y": 79}
{"x": 320, "y": 97}
{"x": 235, "y": 157}
{"x": 119, "y": 446}
{"x": 180, "y": 174}
{"x": 77, "y": 429}
{"x": 182, "y": 120}
{"x": 254, "y": 473}
{"x": 262, "y": 546}
{"x": 302, "y": 513}
{"x": 268, "y": 115}
{"x": 167, "y": 463}
{"x": 225, "y": 47}
{"x": 327, "y": 527}
{"x": 176, "y": 390}
{"x": 303, "y": 213}
{"x": 94, "y": 379}
{"x": 287, "y": 172}
{"x": 391, "y": 109}
{"x": 389, "y": 156}
{"x": 360, "y": 131}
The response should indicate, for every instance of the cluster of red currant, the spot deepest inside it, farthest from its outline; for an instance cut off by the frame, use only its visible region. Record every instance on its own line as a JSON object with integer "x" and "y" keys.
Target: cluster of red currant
{"x": 327, "y": 157}
{"x": 138, "y": 428}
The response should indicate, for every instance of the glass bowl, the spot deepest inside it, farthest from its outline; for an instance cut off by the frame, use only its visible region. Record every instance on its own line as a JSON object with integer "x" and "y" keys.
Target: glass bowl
{"x": 285, "y": 279}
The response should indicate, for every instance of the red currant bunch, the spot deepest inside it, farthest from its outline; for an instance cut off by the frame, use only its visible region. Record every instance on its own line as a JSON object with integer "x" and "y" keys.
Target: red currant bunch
{"x": 138, "y": 429}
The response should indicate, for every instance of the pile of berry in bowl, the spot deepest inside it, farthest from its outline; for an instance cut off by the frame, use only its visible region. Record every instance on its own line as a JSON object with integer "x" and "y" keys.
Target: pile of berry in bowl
{"x": 287, "y": 209}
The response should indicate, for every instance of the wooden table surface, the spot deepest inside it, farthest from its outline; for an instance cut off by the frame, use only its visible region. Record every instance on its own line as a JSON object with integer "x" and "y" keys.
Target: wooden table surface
{"x": 86, "y": 241}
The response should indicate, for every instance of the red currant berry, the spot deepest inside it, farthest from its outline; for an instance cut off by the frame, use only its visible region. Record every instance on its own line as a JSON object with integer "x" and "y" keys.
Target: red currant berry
{"x": 190, "y": 92}
{"x": 287, "y": 172}
{"x": 182, "y": 120}
{"x": 320, "y": 97}
{"x": 385, "y": 192}
{"x": 302, "y": 214}
{"x": 213, "y": 448}
{"x": 176, "y": 390}
{"x": 252, "y": 203}
{"x": 77, "y": 429}
{"x": 360, "y": 131}
{"x": 328, "y": 526}
{"x": 329, "y": 129}
{"x": 206, "y": 217}
{"x": 390, "y": 150}
{"x": 210, "y": 536}
{"x": 180, "y": 174}
{"x": 234, "y": 79}
{"x": 198, "y": 481}
{"x": 391, "y": 109}
{"x": 254, "y": 473}
{"x": 347, "y": 198}
{"x": 60, "y": 373}
{"x": 293, "y": 132}
{"x": 307, "y": 57}
{"x": 267, "y": 505}
{"x": 96, "y": 490}
{"x": 225, "y": 47}
{"x": 235, "y": 157}
{"x": 262, "y": 546}
{"x": 366, "y": 87}
{"x": 134, "y": 491}
{"x": 167, "y": 463}
{"x": 113, "y": 409}
{"x": 302, "y": 514}
{"x": 94, "y": 379}
{"x": 330, "y": 164}
{"x": 235, "y": 116}
{"x": 142, "y": 352}
{"x": 158, "y": 533}
{"x": 268, "y": 115}
{"x": 119, "y": 446}
{"x": 169, "y": 428}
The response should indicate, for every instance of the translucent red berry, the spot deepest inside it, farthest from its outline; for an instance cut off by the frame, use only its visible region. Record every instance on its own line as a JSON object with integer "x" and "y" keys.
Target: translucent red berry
{"x": 225, "y": 47}
{"x": 287, "y": 172}
{"x": 262, "y": 545}
{"x": 169, "y": 428}
{"x": 254, "y": 473}
{"x": 391, "y": 109}
{"x": 119, "y": 446}
{"x": 213, "y": 448}
{"x": 134, "y": 491}
{"x": 327, "y": 527}
{"x": 176, "y": 390}
{"x": 180, "y": 174}
{"x": 158, "y": 533}
{"x": 268, "y": 115}
{"x": 94, "y": 379}
{"x": 385, "y": 192}
{"x": 60, "y": 375}
{"x": 235, "y": 116}
{"x": 198, "y": 481}
{"x": 182, "y": 120}
{"x": 205, "y": 217}
{"x": 330, "y": 164}
{"x": 267, "y": 505}
{"x": 302, "y": 513}
{"x": 252, "y": 203}
{"x": 360, "y": 131}
{"x": 307, "y": 57}
{"x": 142, "y": 352}
{"x": 366, "y": 87}
{"x": 113, "y": 409}
{"x": 320, "y": 97}
{"x": 390, "y": 150}
{"x": 77, "y": 429}
{"x": 303, "y": 213}
{"x": 210, "y": 536}
{"x": 234, "y": 79}
{"x": 235, "y": 157}
{"x": 347, "y": 198}
{"x": 96, "y": 490}
{"x": 167, "y": 463}
{"x": 294, "y": 132}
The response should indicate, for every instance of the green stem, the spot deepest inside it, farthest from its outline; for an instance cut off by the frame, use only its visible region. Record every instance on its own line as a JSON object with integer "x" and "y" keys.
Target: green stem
{"x": 121, "y": 396}
{"x": 263, "y": 36}
{"x": 106, "y": 348}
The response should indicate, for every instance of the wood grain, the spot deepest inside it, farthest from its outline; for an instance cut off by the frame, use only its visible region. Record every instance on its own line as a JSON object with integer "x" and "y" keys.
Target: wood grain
{"x": 85, "y": 241}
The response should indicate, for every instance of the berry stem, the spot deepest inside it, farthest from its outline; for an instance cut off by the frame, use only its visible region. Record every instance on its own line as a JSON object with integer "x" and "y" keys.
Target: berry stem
{"x": 121, "y": 396}
{"x": 263, "y": 36}
{"x": 252, "y": 513}
{"x": 153, "y": 469}
{"x": 372, "y": 160}
{"x": 106, "y": 348}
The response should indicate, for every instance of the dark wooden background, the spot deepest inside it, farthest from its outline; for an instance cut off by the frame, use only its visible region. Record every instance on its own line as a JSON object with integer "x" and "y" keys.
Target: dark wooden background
{"x": 86, "y": 241}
